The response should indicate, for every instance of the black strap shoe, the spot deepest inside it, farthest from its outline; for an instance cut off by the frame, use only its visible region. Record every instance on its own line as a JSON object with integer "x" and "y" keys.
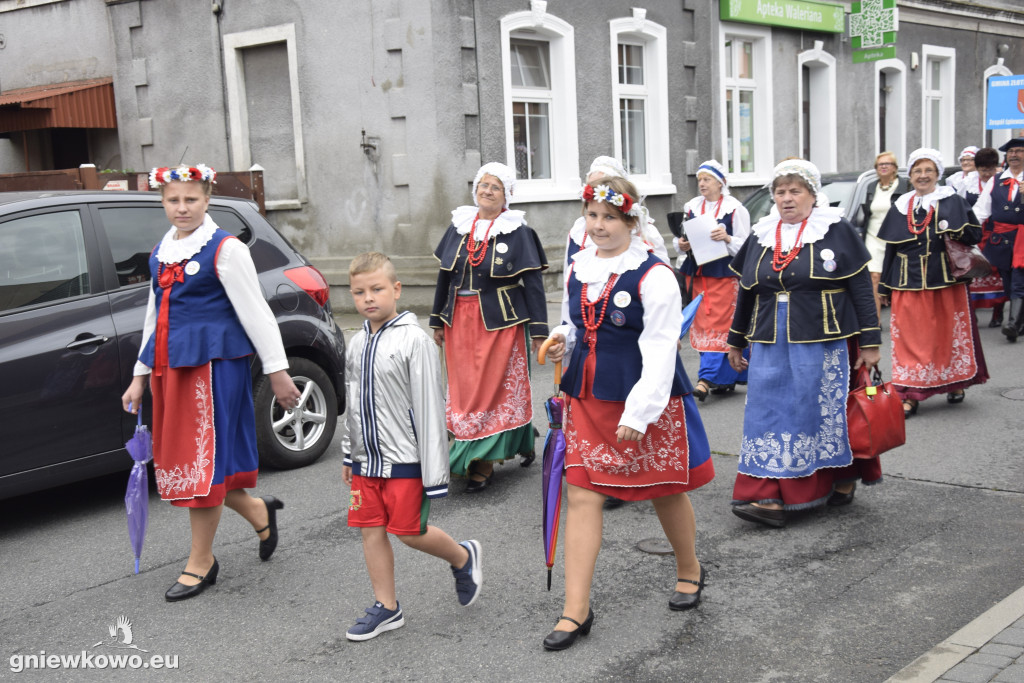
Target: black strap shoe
{"x": 563, "y": 640}
{"x": 680, "y": 601}
{"x": 269, "y": 544}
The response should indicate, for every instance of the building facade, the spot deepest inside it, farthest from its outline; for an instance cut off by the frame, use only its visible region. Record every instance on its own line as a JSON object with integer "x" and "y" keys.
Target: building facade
{"x": 371, "y": 118}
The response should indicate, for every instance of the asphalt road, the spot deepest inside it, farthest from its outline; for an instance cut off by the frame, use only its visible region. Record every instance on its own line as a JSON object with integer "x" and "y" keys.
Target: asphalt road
{"x": 849, "y": 594}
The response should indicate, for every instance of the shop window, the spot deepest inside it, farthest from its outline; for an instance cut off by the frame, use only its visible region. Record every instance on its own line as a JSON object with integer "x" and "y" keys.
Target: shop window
{"x": 891, "y": 108}
{"x": 818, "y": 133}
{"x": 747, "y": 126}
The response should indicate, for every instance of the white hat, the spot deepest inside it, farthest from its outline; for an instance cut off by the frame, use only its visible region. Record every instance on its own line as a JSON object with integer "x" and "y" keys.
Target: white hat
{"x": 805, "y": 169}
{"x": 609, "y": 166}
{"x": 933, "y": 155}
{"x": 715, "y": 170}
{"x": 968, "y": 152}
{"x": 505, "y": 174}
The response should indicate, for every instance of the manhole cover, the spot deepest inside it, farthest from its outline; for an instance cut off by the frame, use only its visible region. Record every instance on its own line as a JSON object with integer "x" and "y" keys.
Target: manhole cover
{"x": 1015, "y": 394}
{"x": 655, "y": 546}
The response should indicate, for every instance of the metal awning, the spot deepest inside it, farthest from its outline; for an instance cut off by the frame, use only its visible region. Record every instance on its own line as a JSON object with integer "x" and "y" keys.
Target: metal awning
{"x": 76, "y": 104}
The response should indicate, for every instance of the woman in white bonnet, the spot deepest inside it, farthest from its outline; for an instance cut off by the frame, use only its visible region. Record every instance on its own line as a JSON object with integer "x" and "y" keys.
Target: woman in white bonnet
{"x": 489, "y": 303}
{"x": 935, "y": 343}
{"x": 805, "y": 296}
{"x": 714, "y": 279}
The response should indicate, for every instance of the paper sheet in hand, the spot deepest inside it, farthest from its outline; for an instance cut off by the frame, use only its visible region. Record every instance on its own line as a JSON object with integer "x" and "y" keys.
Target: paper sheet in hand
{"x": 698, "y": 233}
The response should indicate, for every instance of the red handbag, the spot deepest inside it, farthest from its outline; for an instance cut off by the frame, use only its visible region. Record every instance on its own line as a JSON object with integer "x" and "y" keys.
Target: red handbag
{"x": 874, "y": 415}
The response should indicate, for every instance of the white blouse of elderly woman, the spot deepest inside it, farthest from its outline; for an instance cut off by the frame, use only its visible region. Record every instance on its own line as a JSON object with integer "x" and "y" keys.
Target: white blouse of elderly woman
{"x": 711, "y": 189}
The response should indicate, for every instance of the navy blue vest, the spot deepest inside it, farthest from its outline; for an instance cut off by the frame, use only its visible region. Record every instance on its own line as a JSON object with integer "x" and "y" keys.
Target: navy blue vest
{"x": 1003, "y": 210}
{"x": 618, "y": 364}
{"x": 203, "y": 325}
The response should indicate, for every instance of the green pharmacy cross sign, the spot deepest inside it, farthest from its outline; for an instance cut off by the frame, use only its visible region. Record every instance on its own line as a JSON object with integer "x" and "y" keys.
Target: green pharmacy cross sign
{"x": 873, "y": 23}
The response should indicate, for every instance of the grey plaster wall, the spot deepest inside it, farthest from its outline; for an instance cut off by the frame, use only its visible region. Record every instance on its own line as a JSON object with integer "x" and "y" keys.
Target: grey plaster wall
{"x": 688, "y": 27}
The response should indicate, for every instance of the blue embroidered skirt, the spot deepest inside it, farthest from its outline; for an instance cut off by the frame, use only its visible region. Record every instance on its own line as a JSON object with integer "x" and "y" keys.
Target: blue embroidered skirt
{"x": 795, "y": 417}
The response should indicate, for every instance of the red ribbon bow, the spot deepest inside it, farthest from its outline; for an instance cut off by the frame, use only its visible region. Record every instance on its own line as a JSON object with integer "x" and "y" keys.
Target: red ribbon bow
{"x": 1013, "y": 183}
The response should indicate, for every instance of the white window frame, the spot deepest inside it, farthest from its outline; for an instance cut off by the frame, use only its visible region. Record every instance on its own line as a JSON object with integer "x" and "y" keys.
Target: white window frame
{"x": 238, "y": 112}
{"x": 895, "y": 117}
{"x": 824, "y": 131}
{"x": 1000, "y": 136}
{"x": 761, "y": 85}
{"x": 565, "y": 179}
{"x": 946, "y": 56}
{"x": 636, "y": 30}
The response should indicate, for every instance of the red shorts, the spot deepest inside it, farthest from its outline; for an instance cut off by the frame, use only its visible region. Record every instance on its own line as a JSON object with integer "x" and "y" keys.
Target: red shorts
{"x": 399, "y": 505}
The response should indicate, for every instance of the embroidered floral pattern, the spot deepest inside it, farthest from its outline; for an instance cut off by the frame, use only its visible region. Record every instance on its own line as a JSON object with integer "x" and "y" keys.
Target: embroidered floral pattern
{"x": 657, "y": 451}
{"x": 514, "y": 411}
{"x": 773, "y": 454}
{"x": 960, "y": 365}
{"x": 183, "y": 481}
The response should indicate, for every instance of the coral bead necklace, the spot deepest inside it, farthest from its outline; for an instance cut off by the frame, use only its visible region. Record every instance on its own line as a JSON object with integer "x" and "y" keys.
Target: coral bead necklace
{"x": 779, "y": 262}
{"x": 915, "y": 227}
{"x": 476, "y": 251}
{"x": 589, "y": 311}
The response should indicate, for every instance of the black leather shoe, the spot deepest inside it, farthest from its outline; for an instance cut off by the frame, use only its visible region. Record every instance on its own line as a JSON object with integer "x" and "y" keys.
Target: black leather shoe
{"x": 958, "y": 397}
{"x": 723, "y": 389}
{"x": 837, "y": 499}
{"x": 180, "y": 591}
{"x": 475, "y": 486}
{"x": 269, "y": 544}
{"x": 701, "y": 390}
{"x": 681, "y": 601}
{"x": 562, "y": 640}
{"x": 766, "y": 516}
{"x": 527, "y": 459}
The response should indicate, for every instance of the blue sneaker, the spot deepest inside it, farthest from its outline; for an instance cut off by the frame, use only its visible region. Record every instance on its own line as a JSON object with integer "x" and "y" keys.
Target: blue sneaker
{"x": 377, "y": 620}
{"x": 469, "y": 579}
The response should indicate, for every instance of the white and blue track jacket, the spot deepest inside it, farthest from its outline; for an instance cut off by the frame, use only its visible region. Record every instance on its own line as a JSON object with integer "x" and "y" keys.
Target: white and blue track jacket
{"x": 395, "y": 423}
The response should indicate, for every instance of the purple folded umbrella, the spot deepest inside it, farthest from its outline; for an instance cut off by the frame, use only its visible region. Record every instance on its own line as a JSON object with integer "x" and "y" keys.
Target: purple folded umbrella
{"x": 553, "y": 466}
{"x": 136, "y": 498}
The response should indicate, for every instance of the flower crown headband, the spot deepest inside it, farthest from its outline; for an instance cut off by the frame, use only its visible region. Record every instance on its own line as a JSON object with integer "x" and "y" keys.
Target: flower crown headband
{"x": 162, "y": 176}
{"x": 603, "y": 193}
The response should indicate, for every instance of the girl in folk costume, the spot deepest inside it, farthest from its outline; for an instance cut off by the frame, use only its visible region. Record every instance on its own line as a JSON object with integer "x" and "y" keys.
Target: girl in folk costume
{"x": 935, "y": 343}
{"x": 488, "y": 303}
{"x": 631, "y": 426}
{"x": 609, "y": 167}
{"x": 804, "y": 293}
{"x": 206, "y": 316}
{"x": 714, "y": 280}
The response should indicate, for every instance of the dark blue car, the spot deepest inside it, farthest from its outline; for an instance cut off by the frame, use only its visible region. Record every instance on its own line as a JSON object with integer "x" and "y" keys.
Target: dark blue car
{"x": 74, "y": 281}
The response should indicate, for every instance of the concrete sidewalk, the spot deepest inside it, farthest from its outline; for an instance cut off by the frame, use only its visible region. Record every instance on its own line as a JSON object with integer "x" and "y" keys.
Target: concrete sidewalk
{"x": 990, "y": 648}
